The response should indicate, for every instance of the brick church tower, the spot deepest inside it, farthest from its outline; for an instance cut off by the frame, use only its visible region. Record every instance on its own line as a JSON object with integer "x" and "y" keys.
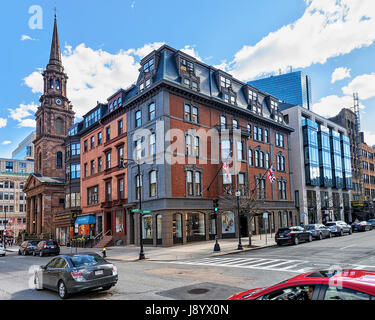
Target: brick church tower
{"x": 53, "y": 117}
{"x": 44, "y": 189}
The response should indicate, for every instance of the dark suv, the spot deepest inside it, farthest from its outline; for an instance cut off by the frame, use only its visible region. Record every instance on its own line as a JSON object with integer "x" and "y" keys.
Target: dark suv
{"x": 293, "y": 235}
{"x": 47, "y": 247}
{"x": 27, "y": 247}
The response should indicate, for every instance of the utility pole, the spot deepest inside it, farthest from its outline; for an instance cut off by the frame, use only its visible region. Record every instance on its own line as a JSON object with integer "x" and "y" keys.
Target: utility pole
{"x": 5, "y": 227}
{"x": 238, "y": 193}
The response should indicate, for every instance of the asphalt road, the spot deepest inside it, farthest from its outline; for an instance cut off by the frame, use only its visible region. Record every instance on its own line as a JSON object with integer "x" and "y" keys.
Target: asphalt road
{"x": 205, "y": 278}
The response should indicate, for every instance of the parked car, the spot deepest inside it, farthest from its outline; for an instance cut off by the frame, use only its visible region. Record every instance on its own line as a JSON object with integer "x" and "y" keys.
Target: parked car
{"x": 361, "y": 226}
{"x": 339, "y": 228}
{"x": 317, "y": 285}
{"x": 372, "y": 221}
{"x": 319, "y": 231}
{"x": 292, "y": 235}
{"x": 45, "y": 247}
{"x": 68, "y": 274}
{"x": 2, "y": 250}
{"x": 27, "y": 247}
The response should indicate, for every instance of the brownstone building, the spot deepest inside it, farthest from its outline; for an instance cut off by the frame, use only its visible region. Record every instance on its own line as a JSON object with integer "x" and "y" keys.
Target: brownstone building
{"x": 45, "y": 188}
{"x": 368, "y": 171}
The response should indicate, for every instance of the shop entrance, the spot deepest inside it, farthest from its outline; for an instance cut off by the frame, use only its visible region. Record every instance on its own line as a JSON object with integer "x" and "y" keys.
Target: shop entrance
{"x": 244, "y": 226}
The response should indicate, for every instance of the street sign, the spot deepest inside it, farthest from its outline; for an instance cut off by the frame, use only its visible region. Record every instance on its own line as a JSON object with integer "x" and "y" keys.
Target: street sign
{"x": 303, "y": 215}
{"x": 135, "y": 210}
{"x": 147, "y": 211}
{"x": 238, "y": 193}
{"x": 265, "y": 215}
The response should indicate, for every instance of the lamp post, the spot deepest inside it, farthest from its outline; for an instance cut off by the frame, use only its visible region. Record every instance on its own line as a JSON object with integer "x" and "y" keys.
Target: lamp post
{"x": 121, "y": 166}
{"x": 238, "y": 193}
{"x": 5, "y": 227}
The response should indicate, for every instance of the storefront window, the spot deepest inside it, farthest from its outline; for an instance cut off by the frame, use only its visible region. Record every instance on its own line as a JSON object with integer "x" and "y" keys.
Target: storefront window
{"x": 147, "y": 227}
{"x": 119, "y": 222}
{"x": 159, "y": 224}
{"x": 212, "y": 226}
{"x": 227, "y": 222}
{"x": 177, "y": 225}
{"x": 285, "y": 219}
{"x": 195, "y": 225}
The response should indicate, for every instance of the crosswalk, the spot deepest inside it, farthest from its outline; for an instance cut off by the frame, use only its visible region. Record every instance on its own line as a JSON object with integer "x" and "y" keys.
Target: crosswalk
{"x": 284, "y": 265}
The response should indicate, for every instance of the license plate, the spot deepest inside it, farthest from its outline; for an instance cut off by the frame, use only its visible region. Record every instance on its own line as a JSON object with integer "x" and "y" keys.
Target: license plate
{"x": 52, "y": 247}
{"x": 281, "y": 236}
{"x": 98, "y": 272}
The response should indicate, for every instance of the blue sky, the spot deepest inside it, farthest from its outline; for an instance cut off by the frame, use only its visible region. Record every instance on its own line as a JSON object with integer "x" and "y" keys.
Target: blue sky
{"x": 103, "y": 42}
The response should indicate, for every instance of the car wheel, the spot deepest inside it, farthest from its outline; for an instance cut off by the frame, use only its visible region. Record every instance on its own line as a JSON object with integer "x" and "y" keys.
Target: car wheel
{"x": 19, "y": 252}
{"x": 34, "y": 253}
{"x": 63, "y": 294}
{"x": 330, "y": 235}
{"x": 341, "y": 233}
{"x": 41, "y": 253}
{"x": 310, "y": 238}
{"x": 279, "y": 243}
{"x": 107, "y": 287}
{"x": 24, "y": 252}
{"x": 296, "y": 241}
{"x": 320, "y": 236}
{"x": 350, "y": 231}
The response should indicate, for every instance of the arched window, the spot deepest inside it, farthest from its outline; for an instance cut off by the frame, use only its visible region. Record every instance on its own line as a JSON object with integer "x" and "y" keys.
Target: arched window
{"x": 59, "y": 160}
{"x": 59, "y": 126}
{"x": 51, "y": 84}
{"x": 58, "y": 84}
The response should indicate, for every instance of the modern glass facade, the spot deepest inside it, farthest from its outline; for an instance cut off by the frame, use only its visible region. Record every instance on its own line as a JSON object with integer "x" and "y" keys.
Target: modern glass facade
{"x": 311, "y": 152}
{"x": 325, "y": 157}
{"x": 338, "y": 175}
{"x": 346, "y": 162}
{"x": 293, "y": 88}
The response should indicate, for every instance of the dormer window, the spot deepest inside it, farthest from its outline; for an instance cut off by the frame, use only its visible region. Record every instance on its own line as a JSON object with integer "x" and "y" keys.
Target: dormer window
{"x": 274, "y": 105}
{"x": 115, "y": 105}
{"x": 224, "y": 82}
{"x": 148, "y": 83}
{"x": 111, "y": 107}
{"x": 253, "y": 96}
{"x": 186, "y": 82}
{"x": 187, "y": 65}
{"x": 194, "y": 85}
{"x": 119, "y": 101}
{"x": 141, "y": 86}
{"x": 149, "y": 66}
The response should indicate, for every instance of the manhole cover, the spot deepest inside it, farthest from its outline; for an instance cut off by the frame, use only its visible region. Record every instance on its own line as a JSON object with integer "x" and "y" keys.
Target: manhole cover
{"x": 198, "y": 291}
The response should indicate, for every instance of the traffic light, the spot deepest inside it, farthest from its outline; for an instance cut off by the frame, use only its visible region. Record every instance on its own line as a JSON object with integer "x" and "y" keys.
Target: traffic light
{"x": 216, "y": 205}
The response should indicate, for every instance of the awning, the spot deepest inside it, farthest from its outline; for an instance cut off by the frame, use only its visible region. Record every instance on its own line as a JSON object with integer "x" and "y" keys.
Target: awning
{"x": 85, "y": 220}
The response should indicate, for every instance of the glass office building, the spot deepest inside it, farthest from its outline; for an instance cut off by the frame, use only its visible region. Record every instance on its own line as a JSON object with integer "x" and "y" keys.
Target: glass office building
{"x": 293, "y": 88}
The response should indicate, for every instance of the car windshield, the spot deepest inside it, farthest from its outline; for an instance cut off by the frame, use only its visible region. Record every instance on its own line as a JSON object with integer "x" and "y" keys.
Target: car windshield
{"x": 330, "y": 224}
{"x": 87, "y": 260}
{"x": 50, "y": 243}
{"x": 283, "y": 230}
{"x": 34, "y": 243}
{"x": 312, "y": 227}
{"x": 324, "y": 274}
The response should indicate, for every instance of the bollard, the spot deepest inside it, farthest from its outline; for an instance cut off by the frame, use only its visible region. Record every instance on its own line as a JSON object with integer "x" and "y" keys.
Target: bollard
{"x": 104, "y": 252}
{"x": 217, "y": 246}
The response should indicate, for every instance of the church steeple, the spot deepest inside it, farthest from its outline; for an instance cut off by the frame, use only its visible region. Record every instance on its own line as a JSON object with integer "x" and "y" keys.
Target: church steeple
{"x": 55, "y": 62}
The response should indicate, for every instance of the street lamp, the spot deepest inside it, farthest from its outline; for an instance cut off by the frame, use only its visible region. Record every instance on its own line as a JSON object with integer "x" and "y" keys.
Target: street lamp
{"x": 121, "y": 166}
{"x": 5, "y": 227}
{"x": 238, "y": 193}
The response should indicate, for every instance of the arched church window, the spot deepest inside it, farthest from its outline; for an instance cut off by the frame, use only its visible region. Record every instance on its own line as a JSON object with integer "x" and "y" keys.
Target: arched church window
{"x": 59, "y": 160}
{"x": 59, "y": 126}
{"x": 58, "y": 84}
{"x": 51, "y": 83}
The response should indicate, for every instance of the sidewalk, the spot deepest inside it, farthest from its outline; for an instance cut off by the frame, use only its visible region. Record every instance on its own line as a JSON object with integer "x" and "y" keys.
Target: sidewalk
{"x": 180, "y": 252}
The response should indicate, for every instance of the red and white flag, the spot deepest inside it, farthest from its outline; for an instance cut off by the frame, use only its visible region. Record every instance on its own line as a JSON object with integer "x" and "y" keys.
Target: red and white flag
{"x": 271, "y": 176}
{"x": 226, "y": 169}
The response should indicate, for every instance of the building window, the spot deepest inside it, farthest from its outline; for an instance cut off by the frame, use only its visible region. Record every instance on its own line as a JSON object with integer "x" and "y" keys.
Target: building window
{"x": 59, "y": 126}
{"x": 75, "y": 149}
{"x": 51, "y": 84}
{"x": 189, "y": 183}
{"x": 149, "y": 66}
{"x": 241, "y": 183}
{"x": 188, "y": 145}
{"x": 108, "y": 160}
{"x": 75, "y": 171}
{"x": 196, "y": 146}
{"x": 266, "y": 136}
{"x": 138, "y": 119}
{"x": 240, "y": 154}
{"x": 153, "y": 183}
{"x": 282, "y": 190}
{"x": 234, "y": 124}
{"x": 119, "y": 100}
{"x": 261, "y": 188}
{"x": 198, "y": 184}
{"x": 92, "y": 142}
{"x": 138, "y": 186}
{"x": 138, "y": 149}
{"x": 59, "y": 160}
{"x": 255, "y": 133}
{"x": 223, "y": 122}
{"x": 85, "y": 146}
{"x": 191, "y": 113}
{"x": 151, "y": 112}
{"x": 121, "y": 188}
{"x": 267, "y": 164}
{"x": 92, "y": 167}
{"x": 115, "y": 105}
{"x": 108, "y": 191}
{"x": 253, "y": 96}
{"x": 8, "y": 166}
{"x": 194, "y": 114}
{"x": 92, "y": 195}
{"x": 99, "y": 138}
{"x": 108, "y": 133}
{"x": 261, "y": 159}
{"x": 225, "y": 82}
{"x": 120, "y": 154}
{"x": 251, "y": 163}
{"x": 152, "y": 144}
{"x": 187, "y": 65}
{"x": 86, "y": 170}
{"x": 100, "y": 164}
{"x": 120, "y": 127}
{"x": 256, "y": 156}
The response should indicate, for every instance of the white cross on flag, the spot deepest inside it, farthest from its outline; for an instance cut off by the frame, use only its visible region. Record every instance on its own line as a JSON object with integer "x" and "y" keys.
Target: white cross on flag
{"x": 271, "y": 175}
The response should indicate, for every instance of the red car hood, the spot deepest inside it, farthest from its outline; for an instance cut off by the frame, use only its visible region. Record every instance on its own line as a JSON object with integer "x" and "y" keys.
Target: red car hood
{"x": 241, "y": 295}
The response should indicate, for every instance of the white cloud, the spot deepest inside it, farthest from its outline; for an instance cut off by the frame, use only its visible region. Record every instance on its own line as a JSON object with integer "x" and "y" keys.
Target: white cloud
{"x": 26, "y": 37}
{"x": 331, "y": 105}
{"x": 327, "y": 28}
{"x": 23, "y": 113}
{"x": 340, "y": 74}
{"x": 369, "y": 138}
{"x": 132, "y": 5}
{"x": 363, "y": 84}
{"x": 94, "y": 75}
{"x": 190, "y": 50}
{"x": 3, "y": 122}
{"x": 6, "y": 142}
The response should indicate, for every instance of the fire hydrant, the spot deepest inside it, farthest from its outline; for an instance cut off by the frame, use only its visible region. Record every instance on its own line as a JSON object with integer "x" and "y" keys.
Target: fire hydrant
{"x": 104, "y": 252}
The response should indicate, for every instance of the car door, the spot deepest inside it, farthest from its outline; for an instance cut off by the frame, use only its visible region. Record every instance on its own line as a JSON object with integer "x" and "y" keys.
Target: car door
{"x": 304, "y": 292}
{"x": 48, "y": 273}
{"x": 57, "y": 272}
